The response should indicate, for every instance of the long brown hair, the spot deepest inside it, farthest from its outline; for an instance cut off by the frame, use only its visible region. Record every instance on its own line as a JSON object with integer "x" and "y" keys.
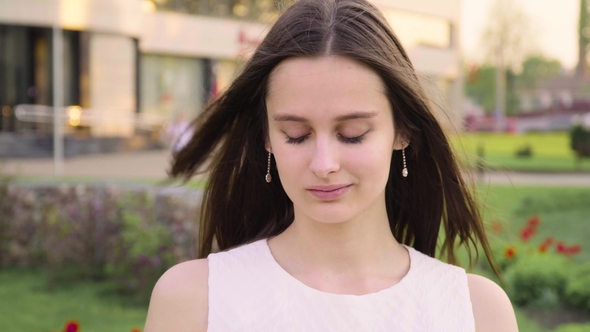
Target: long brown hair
{"x": 239, "y": 206}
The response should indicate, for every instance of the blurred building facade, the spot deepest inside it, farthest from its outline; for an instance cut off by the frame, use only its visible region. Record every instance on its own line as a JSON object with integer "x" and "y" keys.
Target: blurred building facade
{"x": 163, "y": 58}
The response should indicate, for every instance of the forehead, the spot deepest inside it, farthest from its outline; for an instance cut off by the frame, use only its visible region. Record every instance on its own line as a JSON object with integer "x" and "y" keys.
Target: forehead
{"x": 326, "y": 85}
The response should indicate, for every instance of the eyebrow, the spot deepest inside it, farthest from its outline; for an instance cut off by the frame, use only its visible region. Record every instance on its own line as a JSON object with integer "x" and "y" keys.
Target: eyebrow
{"x": 345, "y": 117}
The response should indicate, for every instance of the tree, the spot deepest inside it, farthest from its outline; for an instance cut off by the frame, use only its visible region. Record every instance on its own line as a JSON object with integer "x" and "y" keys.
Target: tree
{"x": 481, "y": 81}
{"x": 584, "y": 38}
{"x": 508, "y": 36}
{"x": 507, "y": 39}
{"x": 479, "y": 85}
{"x": 512, "y": 97}
{"x": 537, "y": 68}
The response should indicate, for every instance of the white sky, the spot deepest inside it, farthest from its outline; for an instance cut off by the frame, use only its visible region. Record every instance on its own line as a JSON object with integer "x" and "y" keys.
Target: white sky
{"x": 554, "y": 21}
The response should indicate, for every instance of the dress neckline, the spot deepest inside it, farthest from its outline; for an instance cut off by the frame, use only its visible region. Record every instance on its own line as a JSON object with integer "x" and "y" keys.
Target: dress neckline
{"x": 298, "y": 283}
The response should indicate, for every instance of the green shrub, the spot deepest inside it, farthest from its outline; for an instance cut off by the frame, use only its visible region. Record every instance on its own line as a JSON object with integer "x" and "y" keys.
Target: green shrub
{"x": 126, "y": 235}
{"x": 525, "y": 151}
{"x": 573, "y": 328}
{"x": 142, "y": 252}
{"x": 577, "y": 291}
{"x": 580, "y": 141}
{"x": 5, "y": 216}
{"x": 538, "y": 280}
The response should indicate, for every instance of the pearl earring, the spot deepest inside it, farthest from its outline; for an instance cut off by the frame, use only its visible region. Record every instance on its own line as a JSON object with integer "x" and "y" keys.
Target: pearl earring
{"x": 405, "y": 169}
{"x": 268, "y": 177}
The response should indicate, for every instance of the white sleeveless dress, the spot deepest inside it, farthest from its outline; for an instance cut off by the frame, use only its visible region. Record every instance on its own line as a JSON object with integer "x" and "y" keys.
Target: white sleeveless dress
{"x": 250, "y": 291}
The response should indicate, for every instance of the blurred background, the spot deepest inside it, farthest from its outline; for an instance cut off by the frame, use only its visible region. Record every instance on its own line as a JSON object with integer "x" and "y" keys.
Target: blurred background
{"x": 96, "y": 94}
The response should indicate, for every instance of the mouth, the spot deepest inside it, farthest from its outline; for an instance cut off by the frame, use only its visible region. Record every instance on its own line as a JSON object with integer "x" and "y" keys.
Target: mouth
{"x": 329, "y": 192}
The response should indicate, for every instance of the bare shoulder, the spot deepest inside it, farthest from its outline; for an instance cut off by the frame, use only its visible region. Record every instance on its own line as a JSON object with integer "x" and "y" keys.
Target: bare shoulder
{"x": 491, "y": 306}
{"x": 179, "y": 300}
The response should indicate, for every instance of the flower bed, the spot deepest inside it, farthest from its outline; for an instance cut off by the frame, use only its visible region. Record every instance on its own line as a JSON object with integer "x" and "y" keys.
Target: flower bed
{"x": 128, "y": 235}
{"x": 541, "y": 273}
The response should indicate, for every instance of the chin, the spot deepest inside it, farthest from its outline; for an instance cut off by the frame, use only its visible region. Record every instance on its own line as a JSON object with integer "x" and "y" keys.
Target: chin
{"x": 335, "y": 214}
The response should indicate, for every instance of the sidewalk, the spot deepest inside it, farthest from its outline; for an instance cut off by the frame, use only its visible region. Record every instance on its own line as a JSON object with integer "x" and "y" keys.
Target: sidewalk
{"x": 152, "y": 165}
{"x": 539, "y": 179}
{"x": 147, "y": 165}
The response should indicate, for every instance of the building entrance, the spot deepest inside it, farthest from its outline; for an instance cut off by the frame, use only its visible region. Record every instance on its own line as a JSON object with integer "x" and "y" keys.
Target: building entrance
{"x": 26, "y": 73}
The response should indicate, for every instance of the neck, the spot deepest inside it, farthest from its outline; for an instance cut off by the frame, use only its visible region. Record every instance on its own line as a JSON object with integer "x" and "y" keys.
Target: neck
{"x": 361, "y": 245}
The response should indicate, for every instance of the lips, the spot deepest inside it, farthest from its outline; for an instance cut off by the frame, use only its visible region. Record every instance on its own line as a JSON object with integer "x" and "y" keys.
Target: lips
{"x": 328, "y": 192}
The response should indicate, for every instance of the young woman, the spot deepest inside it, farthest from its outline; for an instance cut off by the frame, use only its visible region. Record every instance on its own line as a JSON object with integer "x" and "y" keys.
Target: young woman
{"x": 330, "y": 182}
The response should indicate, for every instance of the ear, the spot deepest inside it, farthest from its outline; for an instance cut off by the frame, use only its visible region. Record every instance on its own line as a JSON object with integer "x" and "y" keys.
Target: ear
{"x": 267, "y": 145}
{"x": 401, "y": 142}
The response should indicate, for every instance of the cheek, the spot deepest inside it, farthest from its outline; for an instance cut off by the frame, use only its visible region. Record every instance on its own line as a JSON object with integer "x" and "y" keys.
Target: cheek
{"x": 371, "y": 163}
{"x": 290, "y": 161}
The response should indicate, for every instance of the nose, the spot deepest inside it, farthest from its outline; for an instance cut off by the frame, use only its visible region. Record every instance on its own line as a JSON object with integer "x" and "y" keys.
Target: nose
{"x": 324, "y": 160}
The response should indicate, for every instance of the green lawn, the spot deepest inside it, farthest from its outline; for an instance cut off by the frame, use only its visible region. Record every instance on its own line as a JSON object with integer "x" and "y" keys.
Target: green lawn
{"x": 551, "y": 151}
{"x": 26, "y": 305}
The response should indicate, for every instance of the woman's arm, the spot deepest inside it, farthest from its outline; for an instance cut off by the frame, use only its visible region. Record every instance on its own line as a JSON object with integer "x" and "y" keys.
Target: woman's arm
{"x": 491, "y": 306}
{"x": 179, "y": 300}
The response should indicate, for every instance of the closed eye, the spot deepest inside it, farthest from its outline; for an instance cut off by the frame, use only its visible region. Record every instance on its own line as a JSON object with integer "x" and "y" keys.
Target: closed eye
{"x": 344, "y": 139}
{"x": 297, "y": 140}
{"x": 353, "y": 140}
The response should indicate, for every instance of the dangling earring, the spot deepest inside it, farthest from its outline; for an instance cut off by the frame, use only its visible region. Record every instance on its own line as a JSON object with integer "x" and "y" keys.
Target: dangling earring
{"x": 405, "y": 169}
{"x": 268, "y": 177}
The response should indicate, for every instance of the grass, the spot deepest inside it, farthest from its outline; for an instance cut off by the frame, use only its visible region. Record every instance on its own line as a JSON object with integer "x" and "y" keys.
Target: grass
{"x": 26, "y": 305}
{"x": 551, "y": 151}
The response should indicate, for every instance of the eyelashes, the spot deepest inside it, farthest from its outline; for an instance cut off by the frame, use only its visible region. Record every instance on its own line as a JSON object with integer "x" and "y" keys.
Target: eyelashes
{"x": 347, "y": 140}
{"x": 298, "y": 140}
{"x": 352, "y": 140}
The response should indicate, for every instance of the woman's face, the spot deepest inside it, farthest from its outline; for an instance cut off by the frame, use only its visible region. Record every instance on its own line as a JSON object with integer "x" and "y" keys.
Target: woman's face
{"x": 332, "y": 135}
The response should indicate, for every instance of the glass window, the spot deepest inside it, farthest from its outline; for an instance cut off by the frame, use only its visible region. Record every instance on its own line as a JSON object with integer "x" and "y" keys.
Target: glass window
{"x": 225, "y": 72}
{"x": 26, "y": 72}
{"x": 264, "y": 11}
{"x": 171, "y": 85}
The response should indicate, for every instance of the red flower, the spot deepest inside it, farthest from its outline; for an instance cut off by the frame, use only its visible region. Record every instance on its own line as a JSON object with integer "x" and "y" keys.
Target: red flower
{"x": 527, "y": 232}
{"x": 568, "y": 250}
{"x": 546, "y": 245}
{"x": 530, "y": 229}
{"x": 497, "y": 227}
{"x": 560, "y": 247}
{"x": 533, "y": 221}
{"x": 72, "y": 326}
{"x": 572, "y": 250}
{"x": 135, "y": 329}
{"x": 510, "y": 252}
